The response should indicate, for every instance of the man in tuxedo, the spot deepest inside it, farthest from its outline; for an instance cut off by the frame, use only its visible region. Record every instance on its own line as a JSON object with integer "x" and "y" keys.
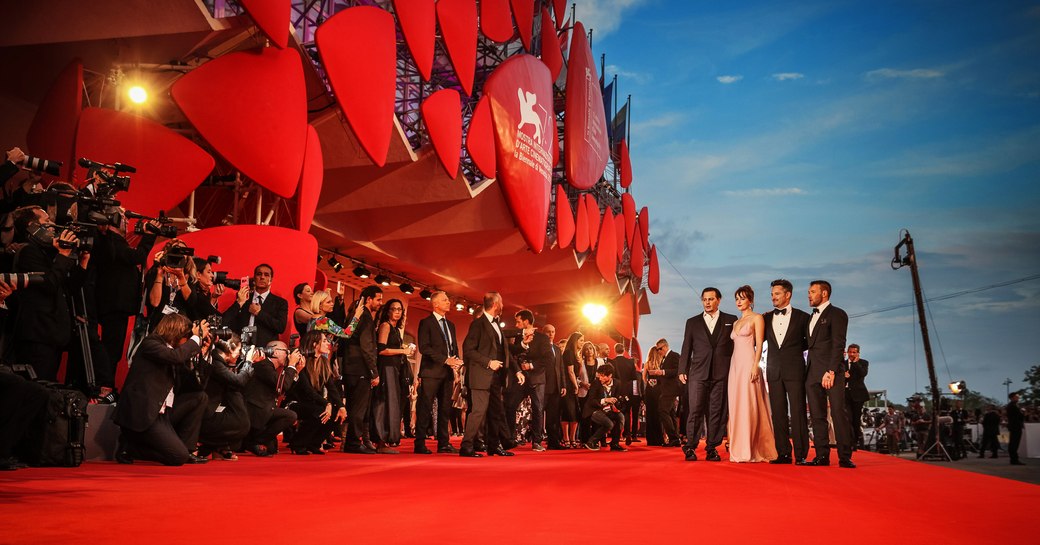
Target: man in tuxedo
{"x": 786, "y": 328}
{"x": 439, "y": 347}
{"x": 534, "y": 354}
{"x": 604, "y": 407}
{"x": 825, "y": 381}
{"x": 487, "y": 362}
{"x": 856, "y": 393}
{"x": 554, "y": 392}
{"x": 360, "y": 373}
{"x": 1016, "y": 422}
{"x": 631, "y": 386}
{"x": 259, "y": 307}
{"x": 704, "y": 369}
{"x": 668, "y": 391}
{"x": 272, "y": 377}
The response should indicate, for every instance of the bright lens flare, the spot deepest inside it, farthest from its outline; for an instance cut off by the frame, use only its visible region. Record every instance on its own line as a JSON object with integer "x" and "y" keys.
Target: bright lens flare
{"x": 595, "y": 313}
{"x": 137, "y": 94}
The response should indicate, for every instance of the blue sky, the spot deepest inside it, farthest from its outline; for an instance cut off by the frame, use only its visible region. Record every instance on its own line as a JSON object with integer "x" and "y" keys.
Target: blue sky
{"x": 795, "y": 139}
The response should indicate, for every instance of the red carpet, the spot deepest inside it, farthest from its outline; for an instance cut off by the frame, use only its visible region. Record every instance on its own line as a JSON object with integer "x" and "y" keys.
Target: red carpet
{"x": 648, "y": 495}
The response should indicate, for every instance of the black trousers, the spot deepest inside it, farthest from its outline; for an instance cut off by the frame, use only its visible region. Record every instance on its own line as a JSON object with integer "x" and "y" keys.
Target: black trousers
{"x": 22, "y": 403}
{"x": 818, "y": 397}
{"x": 605, "y": 422}
{"x": 186, "y": 416}
{"x": 707, "y": 401}
{"x": 1014, "y": 440}
{"x": 514, "y": 397}
{"x": 161, "y": 442}
{"x": 631, "y": 414}
{"x": 553, "y": 430}
{"x": 429, "y": 390}
{"x": 854, "y": 410}
{"x": 666, "y": 412}
{"x": 358, "y": 393}
{"x": 113, "y": 337}
{"x": 311, "y": 432}
{"x": 227, "y": 427}
{"x": 264, "y": 433}
{"x": 989, "y": 441}
{"x": 654, "y": 438}
{"x": 484, "y": 405}
{"x": 784, "y": 396}
{"x": 45, "y": 358}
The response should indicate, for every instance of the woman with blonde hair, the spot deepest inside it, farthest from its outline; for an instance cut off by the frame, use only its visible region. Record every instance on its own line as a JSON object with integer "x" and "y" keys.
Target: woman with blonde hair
{"x": 322, "y": 304}
{"x": 168, "y": 283}
{"x": 569, "y": 411}
{"x": 654, "y": 434}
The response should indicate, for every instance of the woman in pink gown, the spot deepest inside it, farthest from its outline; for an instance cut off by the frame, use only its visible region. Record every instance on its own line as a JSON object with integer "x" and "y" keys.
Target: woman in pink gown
{"x": 750, "y": 427}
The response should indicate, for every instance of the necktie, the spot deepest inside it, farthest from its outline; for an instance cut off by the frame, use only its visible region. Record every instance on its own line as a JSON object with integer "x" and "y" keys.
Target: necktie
{"x": 815, "y": 311}
{"x": 447, "y": 336}
{"x": 777, "y": 312}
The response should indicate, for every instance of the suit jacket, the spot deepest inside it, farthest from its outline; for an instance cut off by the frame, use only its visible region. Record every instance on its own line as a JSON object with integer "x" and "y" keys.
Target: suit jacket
{"x": 270, "y": 321}
{"x": 706, "y": 354}
{"x": 554, "y": 375}
{"x": 827, "y": 345}
{"x": 787, "y": 361}
{"x": 435, "y": 351}
{"x": 668, "y": 384}
{"x": 118, "y": 288}
{"x": 41, "y": 311}
{"x": 359, "y": 351}
{"x": 539, "y": 354}
{"x": 855, "y": 385}
{"x": 626, "y": 374}
{"x": 218, "y": 380}
{"x": 261, "y": 393}
{"x": 598, "y": 392}
{"x": 150, "y": 380}
{"x": 478, "y": 349}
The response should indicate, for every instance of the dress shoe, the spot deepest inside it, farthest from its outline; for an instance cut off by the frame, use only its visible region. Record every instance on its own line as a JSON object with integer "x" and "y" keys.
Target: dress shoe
{"x": 590, "y": 445}
{"x": 470, "y": 453}
{"x": 421, "y": 449}
{"x": 358, "y": 449}
{"x": 616, "y": 447}
{"x": 318, "y": 451}
{"x": 713, "y": 456}
{"x": 499, "y": 452}
{"x": 673, "y": 443}
{"x": 386, "y": 449}
{"x": 781, "y": 460}
{"x": 799, "y": 461}
{"x": 847, "y": 464}
{"x": 369, "y": 444}
{"x": 258, "y": 450}
{"x": 628, "y": 441}
{"x": 300, "y": 451}
{"x": 479, "y": 446}
{"x": 537, "y": 447}
{"x": 447, "y": 449}
{"x": 818, "y": 461}
{"x": 123, "y": 457}
{"x": 193, "y": 459}
{"x": 691, "y": 455}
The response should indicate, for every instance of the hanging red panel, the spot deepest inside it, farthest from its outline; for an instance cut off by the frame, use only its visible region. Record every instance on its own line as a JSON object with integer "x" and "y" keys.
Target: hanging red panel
{"x": 644, "y": 227}
{"x": 321, "y": 280}
{"x": 496, "y": 21}
{"x": 251, "y": 106}
{"x": 625, "y": 168}
{"x": 564, "y": 219}
{"x": 169, "y": 166}
{"x": 559, "y": 10}
{"x": 418, "y": 20}
{"x": 310, "y": 181}
{"x": 636, "y": 257}
{"x": 272, "y": 16}
{"x": 364, "y": 85}
{"x": 521, "y": 97}
{"x": 628, "y": 209}
{"x": 52, "y": 134}
{"x": 458, "y": 19}
{"x": 523, "y": 11}
{"x": 585, "y": 128}
{"x": 581, "y": 227}
{"x": 593, "y": 210}
{"x": 637, "y": 354}
{"x": 653, "y": 275}
{"x": 443, "y": 117}
{"x": 619, "y": 236}
{"x": 551, "y": 55}
{"x": 480, "y": 140}
{"x": 635, "y": 318}
{"x": 621, "y": 315}
{"x": 606, "y": 251}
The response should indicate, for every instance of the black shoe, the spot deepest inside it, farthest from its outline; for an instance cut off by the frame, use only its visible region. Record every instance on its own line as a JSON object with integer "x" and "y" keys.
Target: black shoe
{"x": 846, "y": 464}
{"x": 781, "y": 460}
{"x": 11, "y": 464}
{"x": 193, "y": 459}
{"x": 258, "y": 450}
{"x": 317, "y": 451}
{"x": 628, "y": 441}
{"x": 499, "y": 452}
{"x": 590, "y": 445}
{"x": 358, "y": 449}
{"x": 537, "y": 447}
{"x": 1017, "y": 463}
{"x": 819, "y": 461}
{"x": 479, "y": 446}
{"x": 713, "y": 456}
{"x": 447, "y": 449}
{"x": 616, "y": 447}
{"x": 124, "y": 457}
{"x": 467, "y": 453}
{"x": 691, "y": 455}
{"x": 800, "y": 462}
{"x": 421, "y": 449}
{"x": 300, "y": 451}
{"x": 673, "y": 443}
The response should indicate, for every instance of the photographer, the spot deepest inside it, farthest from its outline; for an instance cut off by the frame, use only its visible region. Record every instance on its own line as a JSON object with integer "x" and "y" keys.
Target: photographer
{"x": 149, "y": 431}
{"x": 226, "y": 421}
{"x": 272, "y": 377}
{"x": 205, "y": 292}
{"x": 256, "y": 306}
{"x": 319, "y": 403}
{"x": 167, "y": 288}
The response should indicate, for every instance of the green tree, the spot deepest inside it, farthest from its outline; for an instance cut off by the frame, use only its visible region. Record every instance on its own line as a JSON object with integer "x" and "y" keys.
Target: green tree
{"x": 1031, "y": 394}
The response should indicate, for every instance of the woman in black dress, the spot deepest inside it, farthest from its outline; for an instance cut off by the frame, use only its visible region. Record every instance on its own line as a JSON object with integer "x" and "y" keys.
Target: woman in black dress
{"x": 569, "y": 412}
{"x": 654, "y": 434}
{"x": 302, "y": 316}
{"x": 386, "y": 401}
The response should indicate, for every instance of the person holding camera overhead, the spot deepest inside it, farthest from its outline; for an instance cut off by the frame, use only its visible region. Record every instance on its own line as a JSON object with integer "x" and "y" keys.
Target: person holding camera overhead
{"x": 256, "y": 306}
{"x": 167, "y": 290}
{"x": 143, "y": 411}
{"x": 319, "y": 403}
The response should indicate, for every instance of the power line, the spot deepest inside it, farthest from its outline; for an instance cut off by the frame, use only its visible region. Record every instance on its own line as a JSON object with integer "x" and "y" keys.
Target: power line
{"x": 948, "y": 296}
{"x": 677, "y": 271}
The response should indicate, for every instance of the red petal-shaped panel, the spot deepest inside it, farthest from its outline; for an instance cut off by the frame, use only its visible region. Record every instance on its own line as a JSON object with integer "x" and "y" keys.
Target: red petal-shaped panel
{"x": 653, "y": 275}
{"x": 560, "y": 11}
{"x": 635, "y": 319}
{"x": 523, "y": 11}
{"x": 418, "y": 20}
{"x": 636, "y": 257}
{"x": 496, "y": 21}
{"x": 606, "y": 251}
{"x": 525, "y": 136}
{"x": 644, "y": 227}
{"x": 581, "y": 227}
{"x": 585, "y": 128}
{"x": 564, "y": 219}
{"x": 169, "y": 166}
{"x": 310, "y": 181}
{"x": 272, "y": 16}
{"x": 637, "y": 354}
{"x": 619, "y": 235}
{"x": 480, "y": 140}
{"x": 321, "y": 280}
{"x": 593, "y": 210}
{"x": 628, "y": 209}
{"x": 458, "y": 19}
{"x": 364, "y": 84}
{"x": 262, "y": 129}
{"x": 551, "y": 55}
{"x": 625, "y": 168}
{"x": 52, "y": 134}
{"x": 621, "y": 315}
{"x": 443, "y": 117}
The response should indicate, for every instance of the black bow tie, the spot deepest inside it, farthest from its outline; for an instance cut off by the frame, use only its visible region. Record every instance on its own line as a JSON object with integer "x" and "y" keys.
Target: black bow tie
{"x": 815, "y": 311}
{"x": 779, "y": 311}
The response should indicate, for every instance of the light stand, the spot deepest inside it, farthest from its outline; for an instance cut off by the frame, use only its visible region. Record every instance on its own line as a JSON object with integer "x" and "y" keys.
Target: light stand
{"x": 934, "y": 444}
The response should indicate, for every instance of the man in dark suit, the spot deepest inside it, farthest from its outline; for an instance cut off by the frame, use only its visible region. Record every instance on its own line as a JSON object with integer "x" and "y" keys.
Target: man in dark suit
{"x": 272, "y": 377}
{"x": 786, "y": 328}
{"x": 360, "y": 373}
{"x": 667, "y": 391}
{"x": 487, "y": 362}
{"x": 704, "y": 369}
{"x": 534, "y": 354}
{"x": 259, "y": 307}
{"x": 825, "y": 381}
{"x": 439, "y": 347}
{"x": 604, "y": 407}
{"x": 554, "y": 392}
{"x": 631, "y": 382}
{"x": 1016, "y": 422}
{"x": 856, "y": 393}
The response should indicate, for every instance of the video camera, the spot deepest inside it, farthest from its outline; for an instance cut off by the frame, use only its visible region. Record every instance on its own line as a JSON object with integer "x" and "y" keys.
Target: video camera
{"x": 165, "y": 229}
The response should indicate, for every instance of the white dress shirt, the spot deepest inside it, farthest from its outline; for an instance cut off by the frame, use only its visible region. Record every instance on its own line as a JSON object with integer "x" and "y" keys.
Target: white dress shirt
{"x": 711, "y": 320}
{"x": 816, "y": 315}
{"x": 780, "y": 322}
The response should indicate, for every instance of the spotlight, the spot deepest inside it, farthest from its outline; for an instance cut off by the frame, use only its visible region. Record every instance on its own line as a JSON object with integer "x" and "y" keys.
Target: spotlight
{"x": 405, "y": 287}
{"x": 361, "y": 272}
{"x": 382, "y": 279}
{"x": 334, "y": 263}
{"x": 470, "y": 309}
{"x": 426, "y": 294}
{"x": 459, "y": 306}
{"x": 137, "y": 94}
{"x": 958, "y": 387}
{"x": 595, "y": 313}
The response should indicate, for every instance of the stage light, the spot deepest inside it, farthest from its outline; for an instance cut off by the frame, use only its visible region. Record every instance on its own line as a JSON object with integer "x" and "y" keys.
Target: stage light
{"x": 334, "y": 263}
{"x": 595, "y": 313}
{"x": 425, "y": 294}
{"x": 958, "y": 387}
{"x": 470, "y": 310}
{"x": 361, "y": 272}
{"x": 382, "y": 279}
{"x": 406, "y": 288}
{"x": 137, "y": 94}
{"x": 459, "y": 306}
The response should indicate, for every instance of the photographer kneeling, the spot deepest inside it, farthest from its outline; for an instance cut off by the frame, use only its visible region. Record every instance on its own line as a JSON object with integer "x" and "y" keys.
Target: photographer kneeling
{"x": 143, "y": 411}
{"x": 319, "y": 402}
{"x": 271, "y": 378}
{"x": 226, "y": 421}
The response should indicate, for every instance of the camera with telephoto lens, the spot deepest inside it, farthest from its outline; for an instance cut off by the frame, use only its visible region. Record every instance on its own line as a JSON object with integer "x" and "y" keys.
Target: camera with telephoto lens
{"x": 177, "y": 257}
{"x": 43, "y": 166}
{"x": 221, "y": 278}
{"x": 22, "y": 280}
{"x": 217, "y": 330}
{"x": 165, "y": 229}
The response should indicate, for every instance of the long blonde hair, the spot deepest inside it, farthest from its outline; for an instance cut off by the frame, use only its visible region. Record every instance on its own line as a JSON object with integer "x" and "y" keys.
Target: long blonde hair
{"x": 653, "y": 359}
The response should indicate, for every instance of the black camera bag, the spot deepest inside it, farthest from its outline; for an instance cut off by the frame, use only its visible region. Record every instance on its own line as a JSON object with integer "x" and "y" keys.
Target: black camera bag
{"x": 58, "y": 439}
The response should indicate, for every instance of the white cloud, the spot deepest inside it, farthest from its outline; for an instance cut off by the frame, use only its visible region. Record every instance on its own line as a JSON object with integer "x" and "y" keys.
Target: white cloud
{"x": 726, "y": 80}
{"x": 613, "y": 69}
{"x": 891, "y": 73}
{"x": 784, "y": 76}
{"x": 759, "y": 192}
{"x": 602, "y": 16}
